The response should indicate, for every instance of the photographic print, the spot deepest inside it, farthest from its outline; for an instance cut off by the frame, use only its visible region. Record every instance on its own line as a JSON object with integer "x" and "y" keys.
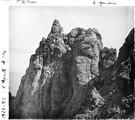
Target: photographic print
{"x": 71, "y": 62}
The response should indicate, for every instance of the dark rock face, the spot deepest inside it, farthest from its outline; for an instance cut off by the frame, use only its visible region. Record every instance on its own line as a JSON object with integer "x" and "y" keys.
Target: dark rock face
{"x": 107, "y": 58}
{"x": 11, "y": 97}
{"x": 118, "y": 87}
{"x": 60, "y": 80}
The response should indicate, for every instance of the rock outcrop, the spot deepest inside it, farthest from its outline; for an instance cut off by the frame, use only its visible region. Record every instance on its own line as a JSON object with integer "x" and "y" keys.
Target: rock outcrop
{"x": 118, "y": 86}
{"x": 71, "y": 74}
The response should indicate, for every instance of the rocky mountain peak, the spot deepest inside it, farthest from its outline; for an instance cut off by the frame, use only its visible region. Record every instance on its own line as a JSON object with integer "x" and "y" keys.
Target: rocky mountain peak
{"x": 73, "y": 76}
{"x": 56, "y": 27}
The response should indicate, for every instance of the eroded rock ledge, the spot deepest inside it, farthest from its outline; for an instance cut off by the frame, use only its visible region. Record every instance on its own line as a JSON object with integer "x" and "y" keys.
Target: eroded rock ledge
{"x": 70, "y": 76}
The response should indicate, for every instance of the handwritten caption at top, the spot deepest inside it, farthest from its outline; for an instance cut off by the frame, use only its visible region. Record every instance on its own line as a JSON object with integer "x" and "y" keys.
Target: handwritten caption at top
{"x": 26, "y": 1}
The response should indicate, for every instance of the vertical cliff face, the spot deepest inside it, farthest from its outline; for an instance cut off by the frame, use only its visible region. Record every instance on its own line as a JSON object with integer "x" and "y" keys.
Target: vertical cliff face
{"x": 65, "y": 74}
{"x": 55, "y": 82}
{"x": 118, "y": 86}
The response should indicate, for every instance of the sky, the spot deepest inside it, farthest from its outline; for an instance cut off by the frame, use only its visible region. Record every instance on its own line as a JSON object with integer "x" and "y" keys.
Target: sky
{"x": 29, "y": 24}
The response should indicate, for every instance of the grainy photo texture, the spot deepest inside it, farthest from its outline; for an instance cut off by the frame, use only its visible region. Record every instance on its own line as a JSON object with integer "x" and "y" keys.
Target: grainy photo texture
{"x": 71, "y": 62}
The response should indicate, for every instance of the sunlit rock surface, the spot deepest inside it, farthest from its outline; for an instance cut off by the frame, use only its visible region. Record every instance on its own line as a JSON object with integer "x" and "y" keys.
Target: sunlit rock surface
{"x": 73, "y": 76}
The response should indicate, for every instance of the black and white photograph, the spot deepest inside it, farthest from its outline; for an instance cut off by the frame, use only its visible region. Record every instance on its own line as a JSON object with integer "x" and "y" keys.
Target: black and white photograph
{"x": 71, "y": 62}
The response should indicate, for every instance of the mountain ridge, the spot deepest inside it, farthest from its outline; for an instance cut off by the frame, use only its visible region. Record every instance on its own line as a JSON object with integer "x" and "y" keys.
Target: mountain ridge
{"x": 68, "y": 77}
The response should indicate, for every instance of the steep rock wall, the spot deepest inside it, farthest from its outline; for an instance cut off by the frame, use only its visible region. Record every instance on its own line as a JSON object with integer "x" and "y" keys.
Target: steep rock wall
{"x": 73, "y": 76}
{"x": 118, "y": 87}
{"x": 56, "y": 80}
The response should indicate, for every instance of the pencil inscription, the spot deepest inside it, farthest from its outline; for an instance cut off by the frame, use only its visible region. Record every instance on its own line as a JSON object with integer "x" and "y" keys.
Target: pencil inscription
{"x": 108, "y": 2}
{"x": 26, "y": 1}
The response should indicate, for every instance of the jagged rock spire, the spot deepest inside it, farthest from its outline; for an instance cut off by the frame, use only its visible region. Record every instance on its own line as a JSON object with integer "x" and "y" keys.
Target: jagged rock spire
{"x": 56, "y": 27}
{"x": 61, "y": 82}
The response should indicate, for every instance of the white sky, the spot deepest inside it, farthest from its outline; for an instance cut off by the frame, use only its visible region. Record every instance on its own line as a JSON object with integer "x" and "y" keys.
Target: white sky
{"x": 27, "y": 26}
